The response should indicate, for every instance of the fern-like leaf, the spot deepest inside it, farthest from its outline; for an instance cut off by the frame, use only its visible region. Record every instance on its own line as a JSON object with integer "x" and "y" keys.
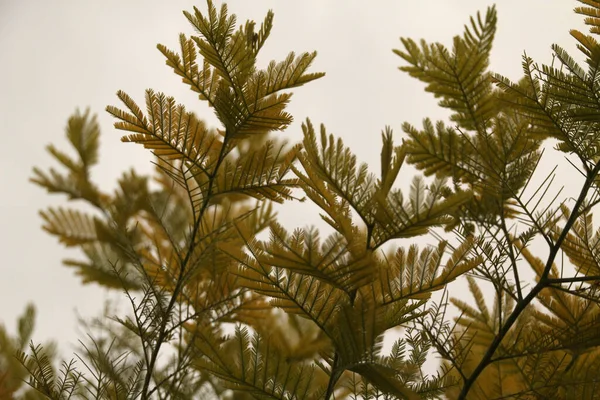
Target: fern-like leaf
{"x": 260, "y": 174}
{"x": 460, "y": 76}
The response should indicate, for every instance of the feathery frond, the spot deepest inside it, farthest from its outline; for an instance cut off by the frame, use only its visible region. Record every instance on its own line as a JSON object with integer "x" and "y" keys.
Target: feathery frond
{"x": 460, "y": 76}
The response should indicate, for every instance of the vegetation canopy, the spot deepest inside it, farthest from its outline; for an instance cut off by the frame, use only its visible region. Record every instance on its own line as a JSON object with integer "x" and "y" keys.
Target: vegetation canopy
{"x": 217, "y": 312}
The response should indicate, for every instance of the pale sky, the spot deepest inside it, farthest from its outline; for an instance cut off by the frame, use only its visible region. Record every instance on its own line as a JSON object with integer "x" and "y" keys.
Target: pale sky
{"x": 61, "y": 55}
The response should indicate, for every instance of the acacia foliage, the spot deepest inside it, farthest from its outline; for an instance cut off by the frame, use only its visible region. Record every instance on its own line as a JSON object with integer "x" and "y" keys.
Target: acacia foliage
{"x": 310, "y": 312}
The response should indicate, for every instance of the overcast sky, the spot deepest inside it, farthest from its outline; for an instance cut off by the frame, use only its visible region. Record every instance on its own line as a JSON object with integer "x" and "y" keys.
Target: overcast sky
{"x": 56, "y": 58}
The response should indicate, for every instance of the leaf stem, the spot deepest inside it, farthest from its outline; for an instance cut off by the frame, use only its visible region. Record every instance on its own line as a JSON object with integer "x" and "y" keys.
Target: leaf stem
{"x": 542, "y": 283}
{"x": 163, "y": 331}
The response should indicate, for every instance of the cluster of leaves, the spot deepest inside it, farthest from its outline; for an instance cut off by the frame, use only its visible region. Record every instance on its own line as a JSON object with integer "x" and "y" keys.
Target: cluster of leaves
{"x": 540, "y": 339}
{"x": 310, "y": 313}
{"x": 12, "y": 375}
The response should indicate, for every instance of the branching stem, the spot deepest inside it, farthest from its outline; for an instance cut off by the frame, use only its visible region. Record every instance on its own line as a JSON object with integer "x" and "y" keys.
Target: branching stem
{"x": 163, "y": 331}
{"x": 542, "y": 283}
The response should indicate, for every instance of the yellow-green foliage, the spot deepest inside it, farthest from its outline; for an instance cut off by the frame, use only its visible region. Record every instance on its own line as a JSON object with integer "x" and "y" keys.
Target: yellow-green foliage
{"x": 540, "y": 338}
{"x": 310, "y": 312}
{"x": 16, "y": 368}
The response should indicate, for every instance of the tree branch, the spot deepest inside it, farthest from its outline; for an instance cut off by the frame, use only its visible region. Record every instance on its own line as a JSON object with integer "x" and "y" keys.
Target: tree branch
{"x": 543, "y": 282}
